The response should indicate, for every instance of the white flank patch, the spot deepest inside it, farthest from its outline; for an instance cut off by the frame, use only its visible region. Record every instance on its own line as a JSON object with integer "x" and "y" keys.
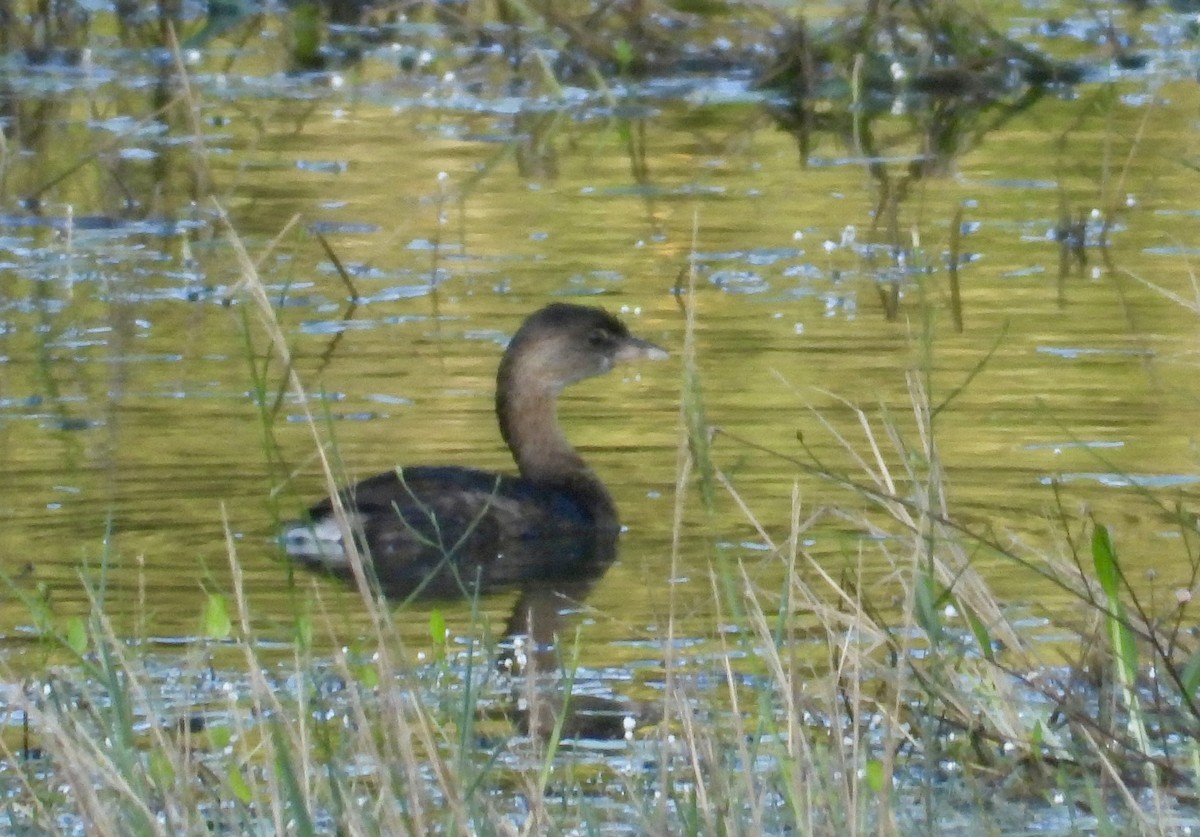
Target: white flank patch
{"x": 319, "y": 541}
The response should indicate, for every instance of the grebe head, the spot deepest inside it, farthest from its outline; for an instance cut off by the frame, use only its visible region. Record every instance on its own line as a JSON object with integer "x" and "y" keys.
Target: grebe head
{"x": 564, "y": 343}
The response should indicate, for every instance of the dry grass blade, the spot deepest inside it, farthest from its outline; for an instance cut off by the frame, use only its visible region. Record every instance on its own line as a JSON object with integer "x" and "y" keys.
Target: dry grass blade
{"x": 251, "y": 283}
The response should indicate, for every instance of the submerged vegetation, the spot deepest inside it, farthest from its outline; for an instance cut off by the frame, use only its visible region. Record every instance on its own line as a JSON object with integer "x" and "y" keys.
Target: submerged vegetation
{"x": 890, "y": 691}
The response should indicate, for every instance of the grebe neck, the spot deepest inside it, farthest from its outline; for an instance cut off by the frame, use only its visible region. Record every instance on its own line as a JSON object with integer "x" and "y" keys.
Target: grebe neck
{"x": 528, "y": 416}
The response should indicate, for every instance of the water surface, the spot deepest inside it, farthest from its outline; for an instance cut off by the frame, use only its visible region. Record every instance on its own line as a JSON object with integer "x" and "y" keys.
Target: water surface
{"x": 134, "y": 369}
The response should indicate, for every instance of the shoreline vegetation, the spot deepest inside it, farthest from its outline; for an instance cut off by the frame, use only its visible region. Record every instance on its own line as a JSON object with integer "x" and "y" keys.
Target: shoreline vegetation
{"x": 916, "y": 705}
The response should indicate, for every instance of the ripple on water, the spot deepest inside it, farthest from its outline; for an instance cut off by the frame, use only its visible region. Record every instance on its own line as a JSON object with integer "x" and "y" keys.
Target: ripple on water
{"x": 346, "y": 227}
{"x": 1075, "y": 352}
{"x": 323, "y": 166}
{"x": 1057, "y": 446}
{"x": 383, "y": 398}
{"x": 1114, "y": 480}
{"x": 739, "y": 281}
{"x": 359, "y": 415}
{"x": 397, "y": 292}
{"x": 336, "y": 326}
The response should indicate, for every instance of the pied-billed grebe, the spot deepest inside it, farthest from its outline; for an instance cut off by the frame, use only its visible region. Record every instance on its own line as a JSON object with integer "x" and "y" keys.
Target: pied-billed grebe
{"x": 441, "y": 530}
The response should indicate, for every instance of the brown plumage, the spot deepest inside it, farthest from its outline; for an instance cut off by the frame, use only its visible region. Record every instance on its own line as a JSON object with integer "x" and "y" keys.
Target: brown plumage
{"x": 443, "y": 530}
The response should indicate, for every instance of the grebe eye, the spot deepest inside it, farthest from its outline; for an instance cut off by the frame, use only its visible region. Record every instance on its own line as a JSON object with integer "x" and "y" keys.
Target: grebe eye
{"x": 599, "y": 337}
